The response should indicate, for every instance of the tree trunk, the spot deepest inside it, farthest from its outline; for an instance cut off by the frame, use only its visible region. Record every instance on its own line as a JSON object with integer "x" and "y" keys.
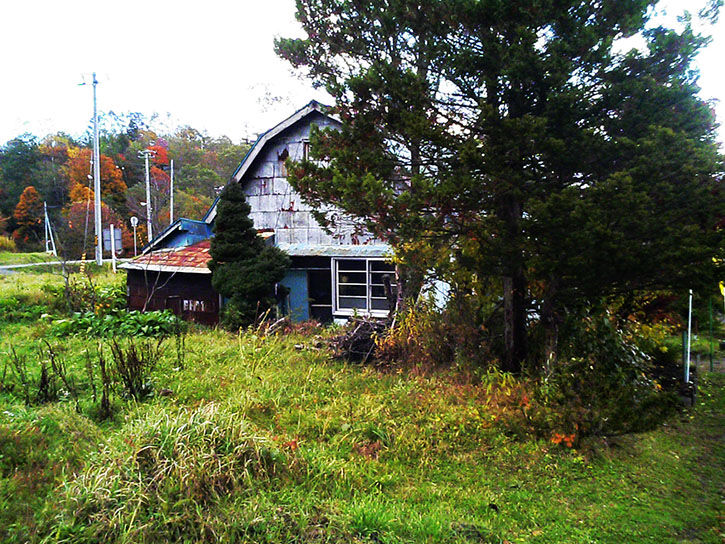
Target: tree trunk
{"x": 409, "y": 283}
{"x": 514, "y": 305}
{"x": 550, "y": 321}
{"x": 514, "y": 286}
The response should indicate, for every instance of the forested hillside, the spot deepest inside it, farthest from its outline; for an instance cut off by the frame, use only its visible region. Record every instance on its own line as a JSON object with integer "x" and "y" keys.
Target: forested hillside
{"x": 57, "y": 169}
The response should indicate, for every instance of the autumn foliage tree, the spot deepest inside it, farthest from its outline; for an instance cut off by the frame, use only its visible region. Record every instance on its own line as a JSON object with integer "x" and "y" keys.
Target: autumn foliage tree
{"x": 79, "y": 171}
{"x": 28, "y": 217}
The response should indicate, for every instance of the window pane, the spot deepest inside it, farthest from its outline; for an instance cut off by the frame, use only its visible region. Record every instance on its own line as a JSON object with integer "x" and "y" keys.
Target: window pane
{"x": 379, "y": 304}
{"x": 382, "y": 266}
{"x": 352, "y": 277}
{"x": 379, "y": 291}
{"x": 350, "y": 303}
{"x": 349, "y": 264}
{"x": 377, "y": 278}
{"x": 352, "y": 290}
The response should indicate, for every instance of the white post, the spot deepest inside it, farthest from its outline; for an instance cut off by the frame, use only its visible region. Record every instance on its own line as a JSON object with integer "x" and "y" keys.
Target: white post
{"x": 134, "y": 224}
{"x": 97, "y": 179}
{"x": 171, "y": 192}
{"x": 45, "y": 218}
{"x": 149, "y": 228}
{"x": 113, "y": 249}
{"x": 689, "y": 340}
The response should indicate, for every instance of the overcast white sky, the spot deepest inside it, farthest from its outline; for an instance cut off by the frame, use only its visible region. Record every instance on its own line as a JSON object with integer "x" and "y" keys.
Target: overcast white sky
{"x": 209, "y": 64}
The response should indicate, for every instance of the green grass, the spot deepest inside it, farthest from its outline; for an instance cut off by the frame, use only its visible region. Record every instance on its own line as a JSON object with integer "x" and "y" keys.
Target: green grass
{"x": 258, "y": 441}
{"x": 10, "y": 257}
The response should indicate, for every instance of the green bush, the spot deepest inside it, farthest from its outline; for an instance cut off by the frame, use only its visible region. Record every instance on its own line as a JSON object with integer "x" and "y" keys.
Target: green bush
{"x": 14, "y": 311}
{"x": 603, "y": 384}
{"x": 117, "y": 323}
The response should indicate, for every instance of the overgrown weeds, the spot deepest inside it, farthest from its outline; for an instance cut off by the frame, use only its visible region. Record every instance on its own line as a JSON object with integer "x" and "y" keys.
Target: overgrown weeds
{"x": 170, "y": 479}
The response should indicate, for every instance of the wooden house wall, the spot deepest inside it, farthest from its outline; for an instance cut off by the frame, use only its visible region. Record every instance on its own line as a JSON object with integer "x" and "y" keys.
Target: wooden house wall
{"x": 276, "y": 206}
{"x": 189, "y": 296}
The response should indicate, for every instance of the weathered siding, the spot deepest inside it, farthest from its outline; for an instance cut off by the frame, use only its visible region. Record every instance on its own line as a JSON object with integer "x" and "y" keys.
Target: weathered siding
{"x": 276, "y": 206}
{"x": 189, "y": 296}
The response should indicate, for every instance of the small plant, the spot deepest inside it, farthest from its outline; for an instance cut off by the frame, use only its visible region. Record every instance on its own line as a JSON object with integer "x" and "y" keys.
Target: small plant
{"x": 19, "y": 364}
{"x": 106, "y": 383}
{"x": 47, "y": 390}
{"x": 60, "y": 370}
{"x": 133, "y": 363}
{"x": 14, "y": 311}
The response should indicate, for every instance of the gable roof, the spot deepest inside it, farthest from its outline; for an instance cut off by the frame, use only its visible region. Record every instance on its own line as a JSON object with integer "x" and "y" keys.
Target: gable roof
{"x": 264, "y": 138}
{"x": 198, "y": 230}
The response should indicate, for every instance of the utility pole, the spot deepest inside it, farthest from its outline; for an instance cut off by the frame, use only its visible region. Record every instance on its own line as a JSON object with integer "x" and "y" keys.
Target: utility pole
{"x": 97, "y": 178}
{"x": 49, "y": 240}
{"x": 149, "y": 229}
{"x": 171, "y": 193}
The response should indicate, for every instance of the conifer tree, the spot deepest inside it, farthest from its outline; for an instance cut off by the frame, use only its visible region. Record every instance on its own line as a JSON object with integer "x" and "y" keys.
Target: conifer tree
{"x": 513, "y": 137}
{"x": 244, "y": 269}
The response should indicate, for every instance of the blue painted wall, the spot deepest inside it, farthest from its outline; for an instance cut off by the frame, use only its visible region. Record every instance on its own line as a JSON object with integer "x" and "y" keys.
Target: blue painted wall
{"x": 296, "y": 282}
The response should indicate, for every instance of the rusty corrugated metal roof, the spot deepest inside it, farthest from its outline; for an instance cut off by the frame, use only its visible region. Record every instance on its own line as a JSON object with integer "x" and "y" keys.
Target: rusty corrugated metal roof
{"x": 193, "y": 258}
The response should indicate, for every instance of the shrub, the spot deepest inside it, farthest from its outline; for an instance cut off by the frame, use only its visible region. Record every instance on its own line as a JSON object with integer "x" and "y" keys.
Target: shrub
{"x": 117, "y": 323}
{"x": 7, "y": 244}
{"x": 14, "y": 311}
{"x": 601, "y": 385}
{"x": 426, "y": 336}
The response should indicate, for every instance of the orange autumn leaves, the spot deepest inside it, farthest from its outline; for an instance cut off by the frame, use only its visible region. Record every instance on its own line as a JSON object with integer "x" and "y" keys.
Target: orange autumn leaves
{"x": 78, "y": 169}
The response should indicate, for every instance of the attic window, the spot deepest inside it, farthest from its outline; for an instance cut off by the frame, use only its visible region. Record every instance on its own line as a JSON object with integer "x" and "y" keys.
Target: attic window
{"x": 281, "y": 157}
{"x": 305, "y": 150}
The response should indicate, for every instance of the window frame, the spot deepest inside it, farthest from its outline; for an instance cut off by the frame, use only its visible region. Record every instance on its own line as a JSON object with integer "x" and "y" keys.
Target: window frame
{"x": 337, "y": 310}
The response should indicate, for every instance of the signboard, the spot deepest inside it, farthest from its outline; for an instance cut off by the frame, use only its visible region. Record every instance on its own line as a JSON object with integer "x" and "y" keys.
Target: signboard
{"x": 107, "y": 240}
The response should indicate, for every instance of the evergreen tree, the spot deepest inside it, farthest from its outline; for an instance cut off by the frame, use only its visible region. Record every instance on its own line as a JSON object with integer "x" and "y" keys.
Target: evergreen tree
{"x": 244, "y": 269}
{"x": 513, "y": 137}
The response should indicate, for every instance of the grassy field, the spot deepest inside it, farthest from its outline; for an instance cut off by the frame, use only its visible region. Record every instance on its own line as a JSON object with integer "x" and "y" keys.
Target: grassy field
{"x": 11, "y": 257}
{"x": 252, "y": 439}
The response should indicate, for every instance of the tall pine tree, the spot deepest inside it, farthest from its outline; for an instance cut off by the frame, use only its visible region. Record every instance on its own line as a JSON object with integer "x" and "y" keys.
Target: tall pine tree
{"x": 513, "y": 137}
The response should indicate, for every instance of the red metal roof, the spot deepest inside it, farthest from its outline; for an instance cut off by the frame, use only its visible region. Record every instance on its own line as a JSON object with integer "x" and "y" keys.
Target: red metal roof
{"x": 183, "y": 259}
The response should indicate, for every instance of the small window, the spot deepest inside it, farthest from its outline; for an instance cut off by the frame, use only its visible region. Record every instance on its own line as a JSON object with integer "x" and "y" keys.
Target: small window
{"x": 361, "y": 285}
{"x": 305, "y": 150}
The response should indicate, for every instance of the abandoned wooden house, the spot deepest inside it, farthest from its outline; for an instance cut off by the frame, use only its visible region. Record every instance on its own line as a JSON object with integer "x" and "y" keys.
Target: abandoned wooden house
{"x": 333, "y": 275}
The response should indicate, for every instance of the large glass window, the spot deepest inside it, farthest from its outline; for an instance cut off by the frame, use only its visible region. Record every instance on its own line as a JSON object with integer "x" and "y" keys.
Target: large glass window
{"x": 360, "y": 285}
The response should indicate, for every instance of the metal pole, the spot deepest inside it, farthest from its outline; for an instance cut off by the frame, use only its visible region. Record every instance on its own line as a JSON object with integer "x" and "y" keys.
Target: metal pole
{"x": 113, "y": 249}
{"x": 134, "y": 224}
{"x": 45, "y": 218}
{"x": 97, "y": 178}
{"x": 171, "y": 192}
{"x": 709, "y": 305}
{"x": 689, "y": 340}
{"x": 149, "y": 228}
